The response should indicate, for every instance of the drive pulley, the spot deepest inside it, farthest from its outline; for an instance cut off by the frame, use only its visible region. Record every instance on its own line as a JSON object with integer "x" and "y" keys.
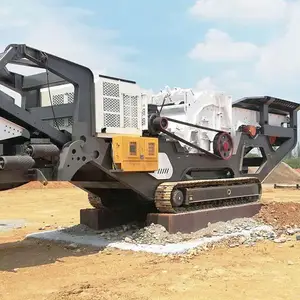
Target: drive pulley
{"x": 222, "y": 143}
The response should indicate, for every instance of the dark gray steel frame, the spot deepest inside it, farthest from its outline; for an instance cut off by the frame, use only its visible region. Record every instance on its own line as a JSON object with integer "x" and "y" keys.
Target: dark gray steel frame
{"x": 183, "y": 164}
{"x": 62, "y": 72}
{"x": 85, "y": 159}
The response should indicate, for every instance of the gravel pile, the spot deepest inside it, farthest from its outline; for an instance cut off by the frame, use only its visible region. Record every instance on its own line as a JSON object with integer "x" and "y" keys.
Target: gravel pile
{"x": 158, "y": 235}
{"x": 283, "y": 174}
{"x": 156, "y": 239}
{"x": 276, "y": 222}
{"x": 248, "y": 231}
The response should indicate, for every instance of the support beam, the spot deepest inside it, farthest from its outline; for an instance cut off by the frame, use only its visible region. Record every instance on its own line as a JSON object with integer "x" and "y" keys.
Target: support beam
{"x": 30, "y": 121}
{"x": 193, "y": 221}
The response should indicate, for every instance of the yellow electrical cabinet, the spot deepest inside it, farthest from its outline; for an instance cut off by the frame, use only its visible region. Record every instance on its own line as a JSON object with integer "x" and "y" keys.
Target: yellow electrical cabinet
{"x": 134, "y": 153}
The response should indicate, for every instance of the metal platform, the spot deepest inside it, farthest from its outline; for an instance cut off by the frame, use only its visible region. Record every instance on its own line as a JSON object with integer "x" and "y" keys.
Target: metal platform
{"x": 99, "y": 219}
{"x": 193, "y": 221}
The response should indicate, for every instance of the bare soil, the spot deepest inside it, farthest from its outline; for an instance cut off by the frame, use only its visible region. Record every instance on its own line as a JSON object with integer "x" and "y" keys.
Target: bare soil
{"x": 36, "y": 271}
{"x": 50, "y": 185}
{"x": 280, "y": 215}
{"x": 283, "y": 174}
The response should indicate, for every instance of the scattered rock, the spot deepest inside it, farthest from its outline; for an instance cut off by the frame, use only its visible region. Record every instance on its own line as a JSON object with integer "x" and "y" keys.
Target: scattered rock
{"x": 157, "y": 234}
{"x": 42, "y": 228}
{"x": 242, "y": 240}
{"x": 128, "y": 240}
{"x": 298, "y": 237}
{"x": 290, "y": 231}
{"x": 289, "y": 262}
{"x": 280, "y": 240}
{"x": 72, "y": 246}
{"x": 242, "y": 231}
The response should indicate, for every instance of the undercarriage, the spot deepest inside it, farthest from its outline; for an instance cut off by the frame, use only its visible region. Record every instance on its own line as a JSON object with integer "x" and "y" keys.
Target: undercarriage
{"x": 105, "y": 136}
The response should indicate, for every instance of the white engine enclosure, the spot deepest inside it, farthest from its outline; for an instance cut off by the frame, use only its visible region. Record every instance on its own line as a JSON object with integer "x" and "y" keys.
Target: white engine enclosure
{"x": 121, "y": 107}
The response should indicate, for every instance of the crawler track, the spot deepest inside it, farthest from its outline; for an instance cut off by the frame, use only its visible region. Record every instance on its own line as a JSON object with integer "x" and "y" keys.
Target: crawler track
{"x": 163, "y": 194}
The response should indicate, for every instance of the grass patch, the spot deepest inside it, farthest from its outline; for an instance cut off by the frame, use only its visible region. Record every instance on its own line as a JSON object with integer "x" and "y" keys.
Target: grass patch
{"x": 293, "y": 162}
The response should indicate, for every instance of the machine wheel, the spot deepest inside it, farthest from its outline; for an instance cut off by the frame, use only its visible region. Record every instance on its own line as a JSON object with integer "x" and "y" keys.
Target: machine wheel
{"x": 223, "y": 145}
{"x": 177, "y": 198}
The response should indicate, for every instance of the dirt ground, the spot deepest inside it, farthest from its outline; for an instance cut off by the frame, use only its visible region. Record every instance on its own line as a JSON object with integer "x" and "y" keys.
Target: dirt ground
{"x": 283, "y": 174}
{"x": 33, "y": 270}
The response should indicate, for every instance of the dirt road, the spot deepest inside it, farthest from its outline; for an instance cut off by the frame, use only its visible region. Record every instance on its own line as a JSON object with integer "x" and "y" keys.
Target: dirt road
{"x": 32, "y": 270}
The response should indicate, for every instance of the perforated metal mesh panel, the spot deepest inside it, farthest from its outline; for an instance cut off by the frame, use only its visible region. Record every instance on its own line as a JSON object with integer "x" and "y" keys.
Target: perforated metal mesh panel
{"x": 70, "y": 122}
{"x": 111, "y": 89}
{"x": 119, "y": 107}
{"x": 134, "y": 122}
{"x": 126, "y": 110}
{"x": 63, "y": 123}
{"x": 58, "y": 99}
{"x": 112, "y": 120}
{"x": 126, "y": 116}
{"x": 70, "y": 97}
{"x": 126, "y": 100}
{"x": 111, "y": 104}
{"x": 130, "y": 111}
{"x": 59, "y": 96}
{"x": 134, "y": 101}
{"x": 143, "y": 117}
{"x": 144, "y": 111}
{"x": 63, "y": 98}
{"x": 59, "y": 121}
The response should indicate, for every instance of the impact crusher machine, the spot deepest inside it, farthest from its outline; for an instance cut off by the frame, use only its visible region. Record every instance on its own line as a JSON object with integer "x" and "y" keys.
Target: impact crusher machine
{"x": 176, "y": 151}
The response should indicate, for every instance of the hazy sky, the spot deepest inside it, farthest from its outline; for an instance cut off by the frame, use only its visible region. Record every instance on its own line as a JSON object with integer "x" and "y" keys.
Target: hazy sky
{"x": 239, "y": 46}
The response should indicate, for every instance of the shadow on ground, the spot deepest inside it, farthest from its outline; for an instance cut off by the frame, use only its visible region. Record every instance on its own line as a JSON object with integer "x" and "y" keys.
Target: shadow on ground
{"x": 28, "y": 253}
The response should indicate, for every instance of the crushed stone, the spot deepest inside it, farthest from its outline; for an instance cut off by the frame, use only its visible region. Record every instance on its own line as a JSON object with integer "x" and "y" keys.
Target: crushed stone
{"x": 277, "y": 222}
{"x": 157, "y": 234}
{"x": 247, "y": 230}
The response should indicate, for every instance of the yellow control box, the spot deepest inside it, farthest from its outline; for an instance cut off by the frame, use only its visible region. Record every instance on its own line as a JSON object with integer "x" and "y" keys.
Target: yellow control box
{"x": 134, "y": 153}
